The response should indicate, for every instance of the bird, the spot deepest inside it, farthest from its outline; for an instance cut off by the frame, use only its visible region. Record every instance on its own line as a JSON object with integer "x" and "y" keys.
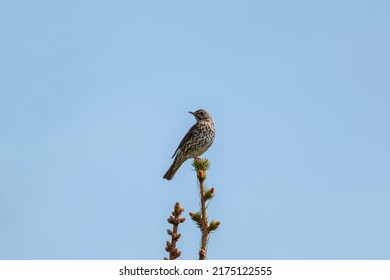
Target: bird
{"x": 197, "y": 140}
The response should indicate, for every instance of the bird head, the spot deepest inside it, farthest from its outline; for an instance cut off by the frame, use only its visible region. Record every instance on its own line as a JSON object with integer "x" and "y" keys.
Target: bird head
{"x": 201, "y": 115}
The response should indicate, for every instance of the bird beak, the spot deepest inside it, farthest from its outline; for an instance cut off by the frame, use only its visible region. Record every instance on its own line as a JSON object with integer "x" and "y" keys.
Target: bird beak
{"x": 191, "y": 113}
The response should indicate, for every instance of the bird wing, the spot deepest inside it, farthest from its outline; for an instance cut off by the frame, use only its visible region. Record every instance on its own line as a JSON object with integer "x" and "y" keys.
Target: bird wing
{"x": 185, "y": 138}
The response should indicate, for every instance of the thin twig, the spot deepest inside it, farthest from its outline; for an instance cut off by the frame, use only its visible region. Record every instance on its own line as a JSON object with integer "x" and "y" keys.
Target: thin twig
{"x": 200, "y": 218}
{"x": 204, "y": 222}
{"x": 175, "y": 220}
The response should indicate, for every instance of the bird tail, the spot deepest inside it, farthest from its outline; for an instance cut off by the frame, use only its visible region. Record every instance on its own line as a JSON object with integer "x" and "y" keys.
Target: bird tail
{"x": 173, "y": 169}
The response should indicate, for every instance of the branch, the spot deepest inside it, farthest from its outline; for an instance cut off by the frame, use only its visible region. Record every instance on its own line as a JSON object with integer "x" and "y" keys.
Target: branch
{"x": 200, "y": 218}
{"x": 175, "y": 220}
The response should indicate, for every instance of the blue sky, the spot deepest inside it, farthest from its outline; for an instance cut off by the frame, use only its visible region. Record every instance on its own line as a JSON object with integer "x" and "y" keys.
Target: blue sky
{"x": 94, "y": 98}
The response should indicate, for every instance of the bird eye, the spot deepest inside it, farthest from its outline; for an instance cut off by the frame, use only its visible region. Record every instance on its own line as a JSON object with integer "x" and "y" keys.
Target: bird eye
{"x": 202, "y": 113}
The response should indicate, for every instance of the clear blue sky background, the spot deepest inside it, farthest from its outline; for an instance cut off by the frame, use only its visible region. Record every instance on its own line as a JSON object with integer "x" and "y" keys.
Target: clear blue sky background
{"x": 94, "y": 98}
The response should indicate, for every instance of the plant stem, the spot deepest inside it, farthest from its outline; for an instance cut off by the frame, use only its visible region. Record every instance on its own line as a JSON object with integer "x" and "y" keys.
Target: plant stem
{"x": 175, "y": 220}
{"x": 204, "y": 222}
{"x": 200, "y": 217}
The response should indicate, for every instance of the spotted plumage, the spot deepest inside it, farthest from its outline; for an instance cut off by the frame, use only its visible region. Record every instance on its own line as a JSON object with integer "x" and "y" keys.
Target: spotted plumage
{"x": 197, "y": 140}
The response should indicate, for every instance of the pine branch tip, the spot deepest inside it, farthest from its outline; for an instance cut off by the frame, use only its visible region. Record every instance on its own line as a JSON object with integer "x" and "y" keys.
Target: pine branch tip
{"x": 201, "y": 164}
